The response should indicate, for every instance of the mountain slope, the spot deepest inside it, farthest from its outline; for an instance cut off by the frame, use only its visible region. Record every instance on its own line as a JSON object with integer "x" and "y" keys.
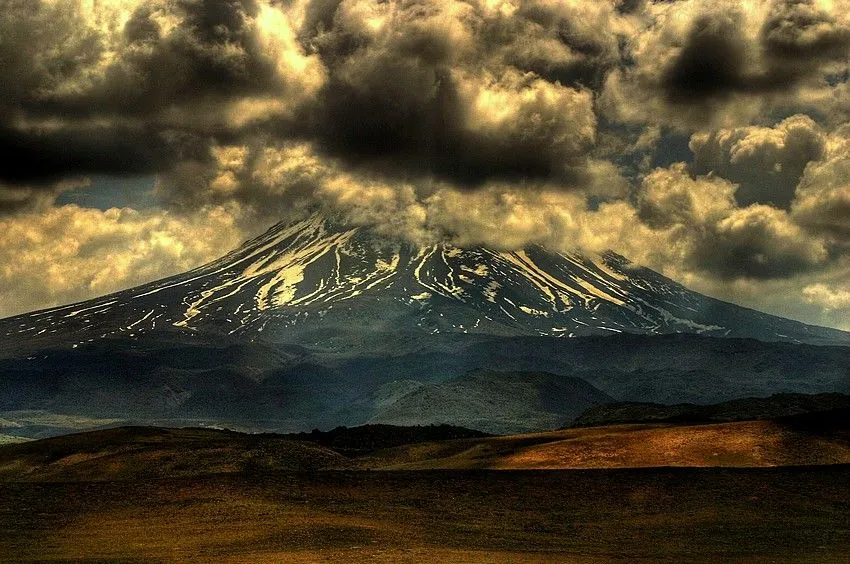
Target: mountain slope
{"x": 316, "y": 324}
{"x": 495, "y": 402}
{"x": 743, "y": 409}
{"x": 320, "y": 283}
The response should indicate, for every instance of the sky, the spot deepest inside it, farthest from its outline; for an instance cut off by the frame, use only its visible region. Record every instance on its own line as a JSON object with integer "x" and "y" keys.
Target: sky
{"x": 709, "y": 141}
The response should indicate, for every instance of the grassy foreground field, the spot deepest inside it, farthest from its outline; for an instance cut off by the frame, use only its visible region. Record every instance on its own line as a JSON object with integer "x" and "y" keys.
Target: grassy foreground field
{"x": 154, "y": 495}
{"x": 673, "y": 515}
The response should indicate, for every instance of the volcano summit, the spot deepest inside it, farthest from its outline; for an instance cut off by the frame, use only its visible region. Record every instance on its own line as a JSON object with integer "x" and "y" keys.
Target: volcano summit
{"x": 320, "y": 323}
{"x": 316, "y": 282}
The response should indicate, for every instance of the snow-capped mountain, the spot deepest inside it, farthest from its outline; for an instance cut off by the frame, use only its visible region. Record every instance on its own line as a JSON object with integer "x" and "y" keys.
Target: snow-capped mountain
{"x": 320, "y": 283}
{"x": 318, "y": 324}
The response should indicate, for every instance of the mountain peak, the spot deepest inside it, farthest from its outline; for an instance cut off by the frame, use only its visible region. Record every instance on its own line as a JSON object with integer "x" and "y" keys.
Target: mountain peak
{"x": 323, "y": 282}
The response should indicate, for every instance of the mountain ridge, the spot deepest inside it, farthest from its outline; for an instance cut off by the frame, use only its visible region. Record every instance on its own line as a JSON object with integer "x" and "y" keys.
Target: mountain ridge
{"x": 318, "y": 281}
{"x": 316, "y": 325}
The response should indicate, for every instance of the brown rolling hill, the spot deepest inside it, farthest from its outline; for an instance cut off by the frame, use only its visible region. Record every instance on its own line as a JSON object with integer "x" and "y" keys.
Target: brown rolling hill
{"x": 808, "y": 439}
{"x": 130, "y": 453}
{"x": 133, "y": 453}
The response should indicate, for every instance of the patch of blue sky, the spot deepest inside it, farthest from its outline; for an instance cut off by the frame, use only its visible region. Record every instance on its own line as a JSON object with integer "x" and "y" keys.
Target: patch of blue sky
{"x": 106, "y": 192}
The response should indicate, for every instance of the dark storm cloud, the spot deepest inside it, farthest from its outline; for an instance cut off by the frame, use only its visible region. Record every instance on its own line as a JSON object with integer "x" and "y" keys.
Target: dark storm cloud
{"x": 629, "y": 6}
{"x": 716, "y": 60}
{"x": 798, "y": 32}
{"x": 61, "y": 117}
{"x": 37, "y": 157}
{"x": 710, "y": 63}
{"x": 399, "y": 89}
{"x": 213, "y": 54}
{"x": 714, "y": 236}
{"x": 828, "y": 214}
{"x": 755, "y": 244}
{"x": 400, "y": 100}
{"x": 318, "y": 17}
{"x": 590, "y": 54}
{"x": 384, "y": 105}
{"x": 397, "y": 101}
{"x": 560, "y": 42}
{"x": 405, "y": 116}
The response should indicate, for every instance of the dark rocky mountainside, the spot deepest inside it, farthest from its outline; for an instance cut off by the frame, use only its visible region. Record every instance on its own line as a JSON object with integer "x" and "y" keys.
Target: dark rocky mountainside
{"x": 496, "y": 402}
{"x": 744, "y": 409}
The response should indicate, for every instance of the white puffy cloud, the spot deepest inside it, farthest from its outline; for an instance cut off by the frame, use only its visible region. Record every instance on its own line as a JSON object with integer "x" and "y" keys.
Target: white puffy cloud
{"x": 719, "y": 239}
{"x": 766, "y": 162}
{"x": 670, "y": 197}
{"x": 822, "y": 202}
{"x": 519, "y": 120}
{"x": 68, "y": 253}
{"x": 829, "y": 298}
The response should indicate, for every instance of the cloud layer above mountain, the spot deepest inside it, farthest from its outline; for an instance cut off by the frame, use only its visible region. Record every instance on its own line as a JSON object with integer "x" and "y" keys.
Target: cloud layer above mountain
{"x": 710, "y": 141}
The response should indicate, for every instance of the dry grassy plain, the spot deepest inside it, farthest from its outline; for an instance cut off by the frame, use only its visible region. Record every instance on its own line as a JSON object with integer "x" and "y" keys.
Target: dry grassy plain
{"x": 668, "y": 515}
{"x": 203, "y": 496}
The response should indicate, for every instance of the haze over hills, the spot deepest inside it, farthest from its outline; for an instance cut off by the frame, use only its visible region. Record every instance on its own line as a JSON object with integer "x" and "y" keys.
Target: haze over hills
{"x": 319, "y": 324}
